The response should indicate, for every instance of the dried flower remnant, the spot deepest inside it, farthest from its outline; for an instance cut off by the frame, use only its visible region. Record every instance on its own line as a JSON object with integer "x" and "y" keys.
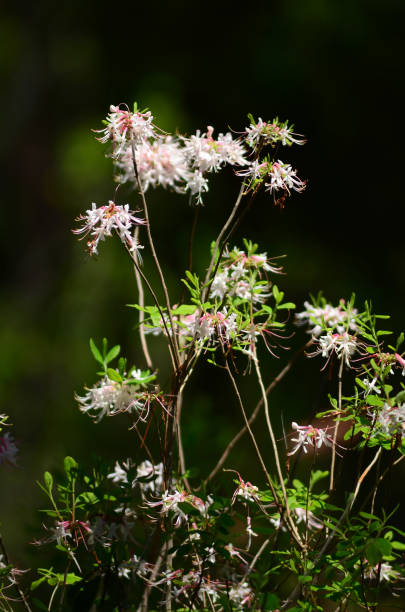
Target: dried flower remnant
{"x": 8, "y": 449}
{"x": 101, "y": 222}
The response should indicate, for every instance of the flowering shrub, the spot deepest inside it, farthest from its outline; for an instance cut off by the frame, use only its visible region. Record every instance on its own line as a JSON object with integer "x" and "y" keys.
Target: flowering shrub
{"x": 150, "y": 535}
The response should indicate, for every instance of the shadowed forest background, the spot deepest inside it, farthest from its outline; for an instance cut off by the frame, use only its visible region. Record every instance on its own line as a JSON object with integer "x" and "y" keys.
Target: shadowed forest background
{"x": 334, "y": 69}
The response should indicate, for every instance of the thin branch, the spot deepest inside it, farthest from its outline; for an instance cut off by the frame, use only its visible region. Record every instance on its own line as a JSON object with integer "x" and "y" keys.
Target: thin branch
{"x": 352, "y": 498}
{"x": 335, "y": 433}
{"x": 276, "y": 455}
{"x": 143, "y": 606}
{"x": 235, "y": 386}
{"x": 218, "y": 240}
{"x": 169, "y": 336}
{"x": 141, "y": 301}
{"x": 154, "y": 255}
{"x": 256, "y": 411}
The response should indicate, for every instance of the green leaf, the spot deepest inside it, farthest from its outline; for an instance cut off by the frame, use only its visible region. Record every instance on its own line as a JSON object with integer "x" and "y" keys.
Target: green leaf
{"x": 70, "y": 464}
{"x": 317, "y": 476}
{"x": 400, "y": 397}
{"x": 96, "y": 353}
{"x": 48, "y": 480}
{"x": 377, "y": 549}
{"x": 38, "y": 603}
{"x": 113, "y": 375}
{"x": 72, "y": 578}
{"x": 373, "y": 400}
{"x": 89, "y": 497}
{"x": 184, "y": 309}
{"x": 286, "y": 306}
{"x": 36, "y": 584}
{"x": 398, "y": 545}
{"x": 112, "y": 353}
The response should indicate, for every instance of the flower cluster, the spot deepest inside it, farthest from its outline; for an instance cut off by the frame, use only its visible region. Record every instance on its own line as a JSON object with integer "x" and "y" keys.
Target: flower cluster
{"x": 148, "y": 476}
{"x": 239, "y": 275}
{"x": 390, "y": 421}
{"x": 101, "y": 222}
{"x": 145, "y": 155}
{"x": 271, "y": 133}
{"x": 343, "y": 345}
{"x": 109, "y": 397}
{"x": 321, "y": 316}
{"x": 123, "y": 126}
{"x": 170, "y": 503}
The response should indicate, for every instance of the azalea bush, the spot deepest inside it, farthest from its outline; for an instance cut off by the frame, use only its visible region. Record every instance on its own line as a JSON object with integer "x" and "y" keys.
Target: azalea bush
{"x": 152, "y": 534}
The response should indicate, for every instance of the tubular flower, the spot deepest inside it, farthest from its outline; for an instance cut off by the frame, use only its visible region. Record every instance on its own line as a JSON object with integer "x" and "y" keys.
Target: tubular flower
{"x": 208, "y": 155}
{"x": 344, "y": 345}
{"x": 319, "y": 317}
{"x": 309, "y": 436}
{"x": 391, "y": 421}
{"x": 159, "y": 163}
{"x": 122, "y": 126}
{"x": 101, "y": 222}
{"x": 282, "y": 176}
{"x": 271, "y": 133}
{"x": 108, "y": 398}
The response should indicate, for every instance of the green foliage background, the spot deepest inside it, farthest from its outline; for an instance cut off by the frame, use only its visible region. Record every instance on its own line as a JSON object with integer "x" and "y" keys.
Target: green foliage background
{"x": 332, "y": 68}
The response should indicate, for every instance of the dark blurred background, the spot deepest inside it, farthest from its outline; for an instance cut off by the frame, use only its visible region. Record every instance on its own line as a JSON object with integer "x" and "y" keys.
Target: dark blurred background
{"x": 333, "y": 68}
